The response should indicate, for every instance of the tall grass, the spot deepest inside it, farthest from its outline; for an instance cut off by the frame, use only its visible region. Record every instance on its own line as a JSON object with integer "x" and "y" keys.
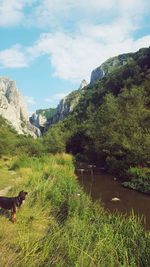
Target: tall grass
{"x": 59, "y": 225}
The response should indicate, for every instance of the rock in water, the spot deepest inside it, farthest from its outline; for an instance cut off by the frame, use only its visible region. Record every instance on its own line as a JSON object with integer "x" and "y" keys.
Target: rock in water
{"x": 115, "y": 199}
{"x": 13, "y": 108}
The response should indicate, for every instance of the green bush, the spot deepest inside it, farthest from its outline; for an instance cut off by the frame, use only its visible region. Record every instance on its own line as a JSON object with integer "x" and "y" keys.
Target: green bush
{"x": 139, "y": 179}
{"x": 54, "y": 140}
{"x": 8, "y": 138}
{"x": 115, "y": 166}
{"x": 29, "y": 146}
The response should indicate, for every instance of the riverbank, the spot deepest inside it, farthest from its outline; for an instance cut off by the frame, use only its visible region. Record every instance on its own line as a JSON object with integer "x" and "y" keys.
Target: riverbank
{"x": 105, "y": 187}
{"x": 135, "y": 178}
{"x": 59, "y": 225}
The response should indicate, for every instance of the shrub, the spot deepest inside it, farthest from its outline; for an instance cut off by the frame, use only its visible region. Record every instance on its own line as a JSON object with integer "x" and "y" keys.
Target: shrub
{"x": 139, "y": 179}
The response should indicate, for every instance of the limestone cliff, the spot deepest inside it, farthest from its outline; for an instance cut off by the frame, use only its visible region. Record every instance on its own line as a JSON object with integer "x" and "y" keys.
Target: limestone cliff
{"x": 38, "y": 120}
{"x": 44, "y": 118}
{"x": 83, "y": 84}
{"x": 13, "y": 108}
{"x": 68, "y": 103}
{"x": 109, "y": 66}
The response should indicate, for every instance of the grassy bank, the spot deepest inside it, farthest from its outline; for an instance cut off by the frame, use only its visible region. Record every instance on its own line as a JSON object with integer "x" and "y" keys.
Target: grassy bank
{"x": 7, "y": 178}
{"x": 59, "y": 225}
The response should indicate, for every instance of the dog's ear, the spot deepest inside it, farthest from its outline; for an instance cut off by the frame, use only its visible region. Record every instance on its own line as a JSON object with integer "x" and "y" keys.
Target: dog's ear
{"x": 20, "y": 192}
{"x": 24, "y": 192}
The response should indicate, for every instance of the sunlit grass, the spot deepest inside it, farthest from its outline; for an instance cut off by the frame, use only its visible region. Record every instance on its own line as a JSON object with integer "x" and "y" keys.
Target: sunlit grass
{"x": 59, "y": 225}
{"x": 7, "y": 178}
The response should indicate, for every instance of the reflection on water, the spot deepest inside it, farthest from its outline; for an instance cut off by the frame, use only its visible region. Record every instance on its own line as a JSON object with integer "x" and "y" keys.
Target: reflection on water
{"x": 105, "y": 187}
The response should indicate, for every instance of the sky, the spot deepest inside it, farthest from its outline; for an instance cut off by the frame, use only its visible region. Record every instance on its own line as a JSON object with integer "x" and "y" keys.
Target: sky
{"x": 48, "y": 47}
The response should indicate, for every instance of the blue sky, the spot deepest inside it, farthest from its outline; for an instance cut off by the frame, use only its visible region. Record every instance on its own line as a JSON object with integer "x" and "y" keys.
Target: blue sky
{"x": 48, "y": 47}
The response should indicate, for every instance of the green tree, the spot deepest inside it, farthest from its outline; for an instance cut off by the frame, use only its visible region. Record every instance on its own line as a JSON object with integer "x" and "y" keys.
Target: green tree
{"x": 8, "y": 138}
{"x": 120, "y": 130}
{"x": 54, "y": 140}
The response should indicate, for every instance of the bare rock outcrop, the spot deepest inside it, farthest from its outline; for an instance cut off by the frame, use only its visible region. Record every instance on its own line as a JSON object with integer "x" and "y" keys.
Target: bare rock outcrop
{"x": 109, "y": 66}
{"x": 13, "y": 108}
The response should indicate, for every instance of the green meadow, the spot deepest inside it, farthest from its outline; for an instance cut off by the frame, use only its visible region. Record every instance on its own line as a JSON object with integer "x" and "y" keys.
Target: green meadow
{"x": 7, "y": 178}
{"x": 59, "y": 225}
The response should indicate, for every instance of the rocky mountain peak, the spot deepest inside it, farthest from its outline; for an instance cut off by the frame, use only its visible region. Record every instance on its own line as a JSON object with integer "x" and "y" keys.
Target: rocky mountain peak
{"x": 83, "y": 84}
{"x": 109, "y": 66}
{"x": 13, "y": 108}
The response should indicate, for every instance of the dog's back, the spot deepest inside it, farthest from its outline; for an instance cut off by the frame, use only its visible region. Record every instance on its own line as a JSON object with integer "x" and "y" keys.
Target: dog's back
{"x": 12, "y": 203}
{"x": 8, "y": 202}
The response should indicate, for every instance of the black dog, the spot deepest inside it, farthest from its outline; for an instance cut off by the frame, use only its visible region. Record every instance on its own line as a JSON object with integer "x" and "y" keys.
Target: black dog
{"x": 12, "y": 203}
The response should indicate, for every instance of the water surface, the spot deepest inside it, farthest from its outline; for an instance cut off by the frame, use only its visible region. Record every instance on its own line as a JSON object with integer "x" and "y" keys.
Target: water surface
{"x": 105, "y": 187}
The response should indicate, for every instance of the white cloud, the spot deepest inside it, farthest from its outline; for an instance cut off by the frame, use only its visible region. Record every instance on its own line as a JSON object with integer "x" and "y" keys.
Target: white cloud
{"x": 74, "y": 53}
{"x": 52, "y": 13}
{"x": 74, "y": 56}
{"x": 13, "y": 57}
{"x": 133, "y": 7}
{"x": 30, "y": 100}
{"x": 57, "y": 13}
{"x": 118, "y": 30}
{"x": 11, "y": 12}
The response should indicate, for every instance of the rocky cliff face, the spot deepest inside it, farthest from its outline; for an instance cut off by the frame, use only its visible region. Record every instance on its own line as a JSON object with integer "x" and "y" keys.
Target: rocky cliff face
{"x": 97, "y": 74}
{"x": 38, "y": 120}
{"x": 109, "y": 66}
{"x": 68, "y": 103}
{"x": 83, "y": 84}
{"x": 13, "y": 108}
{"x": 65, "y": 106}
{"x": 44, "y": 118}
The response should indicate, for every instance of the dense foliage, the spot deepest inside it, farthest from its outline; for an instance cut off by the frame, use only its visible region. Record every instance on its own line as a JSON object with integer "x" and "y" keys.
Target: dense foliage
{"x": 111, "y": 123}
{"x": 8, "y": 138}
{"x": 48, "y": 112}
{"x": 13, "y": 144}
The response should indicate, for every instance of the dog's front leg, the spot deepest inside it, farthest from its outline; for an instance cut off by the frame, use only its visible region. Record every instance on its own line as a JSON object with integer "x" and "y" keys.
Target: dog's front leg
{"x": 13, "y": 215}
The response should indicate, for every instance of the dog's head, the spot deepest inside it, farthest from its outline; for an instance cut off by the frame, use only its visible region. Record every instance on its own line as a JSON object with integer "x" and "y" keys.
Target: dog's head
{"x": 22, "y": 195}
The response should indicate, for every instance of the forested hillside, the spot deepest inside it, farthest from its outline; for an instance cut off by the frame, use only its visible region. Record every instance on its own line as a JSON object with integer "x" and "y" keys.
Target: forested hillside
{"x": 11, "y": 143}
{"x": 111, "y": 123}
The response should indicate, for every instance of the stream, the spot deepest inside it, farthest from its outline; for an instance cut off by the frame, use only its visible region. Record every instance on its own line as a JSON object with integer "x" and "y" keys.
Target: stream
{"x": 105, "y": 187}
